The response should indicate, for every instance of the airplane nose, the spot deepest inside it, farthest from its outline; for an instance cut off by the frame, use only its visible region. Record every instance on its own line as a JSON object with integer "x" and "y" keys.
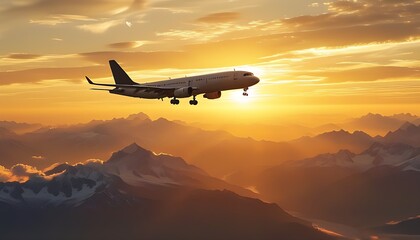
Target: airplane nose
{"x": 255, "y": 80}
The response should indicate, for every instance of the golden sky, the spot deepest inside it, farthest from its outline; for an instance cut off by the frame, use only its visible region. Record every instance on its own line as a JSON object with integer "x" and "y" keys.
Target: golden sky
{"x": 331, "y": 58}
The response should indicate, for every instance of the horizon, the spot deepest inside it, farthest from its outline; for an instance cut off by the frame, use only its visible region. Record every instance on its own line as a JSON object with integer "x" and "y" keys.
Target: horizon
{"x": 290, "y": 119}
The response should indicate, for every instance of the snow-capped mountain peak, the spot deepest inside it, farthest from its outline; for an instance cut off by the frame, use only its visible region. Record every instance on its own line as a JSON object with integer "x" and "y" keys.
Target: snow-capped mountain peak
{"x": 138, "y": 166}
{"x": 132, "y": 148}
{"x": 398, "y": 155}
{"x": 66, "y": 184}
{"x": 70, "y": 187}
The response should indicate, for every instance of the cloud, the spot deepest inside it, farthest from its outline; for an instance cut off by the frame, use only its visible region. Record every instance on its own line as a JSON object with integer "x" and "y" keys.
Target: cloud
{"x": 99, "y": 27}
{"x": 59, "y": 19}
{"x": 23, "y": 56}
{"x": 346, "y": 6}
{"x": 19, "y": 172}
{"x": 187, "y": 34}
{"x": 106, "y": 13}
{"x": 52, "y": 166}
{"x": 174, "y": 3}
{"x": 5, "y": 174}
{"x": 42, "y": 74}
{"x": 22, "y": 172}
{"x": 344, "y": 13}
{"x": 221, "y": 17}
{"x": 125, "y": 45}
{"x": 25, "y": 171}
{"x": 347, "y": 23}
{"x": 369, "y": 74}
{"x": 38, "y": 157}
{"x": 89, "y": 8}
{"x": 92, "y": 162}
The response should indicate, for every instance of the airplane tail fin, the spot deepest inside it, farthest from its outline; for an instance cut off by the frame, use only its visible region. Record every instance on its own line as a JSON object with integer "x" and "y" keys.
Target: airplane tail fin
{"x": 120, "y": 76}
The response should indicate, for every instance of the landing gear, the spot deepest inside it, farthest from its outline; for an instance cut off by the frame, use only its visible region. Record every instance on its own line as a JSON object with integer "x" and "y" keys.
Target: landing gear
{"x": 245, "y": 93}
{"x": 193, "y": 101}
{"x": 174, "y": 101}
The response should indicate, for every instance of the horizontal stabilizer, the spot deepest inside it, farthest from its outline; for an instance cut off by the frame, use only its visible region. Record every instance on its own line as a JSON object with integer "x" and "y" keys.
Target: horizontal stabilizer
{"x": 100, "y": 89}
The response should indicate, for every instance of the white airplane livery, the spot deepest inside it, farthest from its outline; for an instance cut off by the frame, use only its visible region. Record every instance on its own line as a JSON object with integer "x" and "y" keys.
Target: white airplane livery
{"x": 210, "y": 85}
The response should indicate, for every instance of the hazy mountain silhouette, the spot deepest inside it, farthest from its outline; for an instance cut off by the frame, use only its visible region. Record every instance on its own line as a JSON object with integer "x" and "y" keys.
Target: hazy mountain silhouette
{"x": 370, "y": 198}
{"x": 12, "y": 149}
{"x": 333, "y": 141}
{"x": 408, "y": 133}
{"x": 218, "y": 152}
{"x": 366, "y": 189}
{"x": 406, "y": 227}
{"x": 375, "y": 124}
{"x": 269, "y": 132}
{"x": 19, "y": 128}
{"x": 407, "y": 117}
{"x": 371, "y": 123}
{"x": 328, "y": 142}
{"x": 139, "y": 195}
{"x": 6, "y": 133}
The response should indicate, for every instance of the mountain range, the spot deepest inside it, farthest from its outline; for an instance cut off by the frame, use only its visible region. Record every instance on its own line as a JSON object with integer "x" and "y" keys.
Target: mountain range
{"x": 410, "y": 227}
{"x": 217, "y": 152}
{"x": 377, "y": 124}
{"x": 19, "y": 128}
{"x": 340, "y": 176}
{"x": 373, "y": 187}
{"x": 372, "y": 123}
{"x": 138, "y": 194}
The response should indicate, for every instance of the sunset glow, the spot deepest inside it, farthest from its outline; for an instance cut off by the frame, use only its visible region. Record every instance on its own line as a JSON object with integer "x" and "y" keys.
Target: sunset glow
{"x": 327, "y": 56}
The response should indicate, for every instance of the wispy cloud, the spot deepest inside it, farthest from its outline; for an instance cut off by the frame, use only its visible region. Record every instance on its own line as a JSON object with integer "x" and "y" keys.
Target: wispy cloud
{"x": 54, "y": 20}
{"x": 127, "y": 45}
{"x": 99, "y": 27}
{"x": 42, "y": 74}
{"x": 107, "y": 13}
{"x": 220, "y": 17}
{"x": 369, "y": 74}
{"x": 23, "y": 56}
{"x": 88, "y": 8}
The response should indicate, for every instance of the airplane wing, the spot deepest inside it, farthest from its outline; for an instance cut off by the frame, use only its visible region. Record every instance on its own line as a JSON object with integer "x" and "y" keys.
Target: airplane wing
{"x": 130, "y": 86}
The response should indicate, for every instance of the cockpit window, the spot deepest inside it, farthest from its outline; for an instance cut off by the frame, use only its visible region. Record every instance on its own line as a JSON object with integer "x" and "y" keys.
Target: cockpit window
{"x": 248, "y": 74}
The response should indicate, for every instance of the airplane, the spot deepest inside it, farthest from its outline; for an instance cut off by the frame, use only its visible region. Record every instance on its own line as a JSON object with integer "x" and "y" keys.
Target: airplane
{"x": 210, "y": 85}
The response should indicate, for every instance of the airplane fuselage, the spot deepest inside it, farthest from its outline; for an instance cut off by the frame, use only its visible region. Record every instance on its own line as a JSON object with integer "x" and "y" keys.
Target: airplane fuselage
{"x": 201, "y": 84}
{"x": 210, "y": 85}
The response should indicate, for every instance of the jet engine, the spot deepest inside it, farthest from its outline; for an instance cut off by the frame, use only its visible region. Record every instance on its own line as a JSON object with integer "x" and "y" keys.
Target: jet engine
{"x": 183, "y": 92}
{"x": 213, "y": 95}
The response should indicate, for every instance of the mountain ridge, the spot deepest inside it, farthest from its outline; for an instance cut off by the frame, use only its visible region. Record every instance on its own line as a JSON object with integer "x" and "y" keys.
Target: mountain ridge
{"x": 95, "y": 197}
